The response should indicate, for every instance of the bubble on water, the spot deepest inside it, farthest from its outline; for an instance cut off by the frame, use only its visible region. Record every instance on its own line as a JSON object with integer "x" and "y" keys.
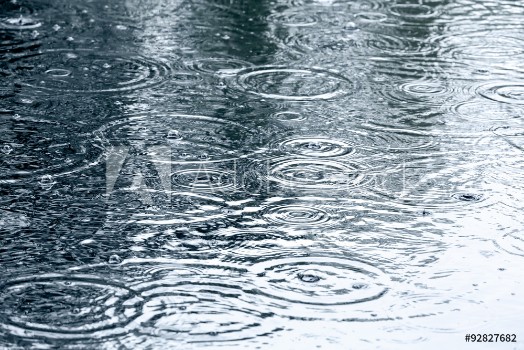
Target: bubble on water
{"x": 7, "y": 149}
{"x": 174, "y": 135}
{"x": 114, "y": 259}
{"x": 47, "y": 182}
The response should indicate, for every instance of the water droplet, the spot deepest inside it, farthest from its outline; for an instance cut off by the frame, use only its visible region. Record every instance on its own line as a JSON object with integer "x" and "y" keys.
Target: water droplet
{"x": 308, "y": 278}
{"x": 6, "y": 149}
{"x": 114, "y": 259}
{"x": 174, "y": 135}
{"x": 46, "y": 182}
{"x": 468, "y": 197}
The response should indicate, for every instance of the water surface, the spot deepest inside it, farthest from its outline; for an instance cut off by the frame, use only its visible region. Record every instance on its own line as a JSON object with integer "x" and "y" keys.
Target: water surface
{"x": 260, "y": 174}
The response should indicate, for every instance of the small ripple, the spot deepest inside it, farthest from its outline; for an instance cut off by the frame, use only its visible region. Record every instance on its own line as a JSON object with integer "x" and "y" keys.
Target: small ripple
{"x": 377, "y": 137}
{"x": 481, "y": 45}
{"x": 36, "y": 147}
{"x": 289, "y": 116}
{"x": 317, "y": 174}
{"x": 315, "y": 147}
{"x": 294, "y": 18}
{"x": 19, "y": 23}
{"x": 221, "y": 66}
{"x": 505, "y": 92}
{"x": 302, "y": 213}
{"x": 306, "y": 84}
{"x": 67, "y": 306}
{"x": 89, "y": 71}
{"x": 421, "y": 91}
{"x": 481, "y": 110}
{"x": 204, "y": 180}
{"x": 413, "y": 12}
{"x": 320, "y": 280}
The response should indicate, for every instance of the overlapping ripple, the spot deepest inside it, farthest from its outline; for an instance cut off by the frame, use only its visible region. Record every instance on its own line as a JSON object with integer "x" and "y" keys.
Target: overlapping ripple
{"x": 38, "y": 147}
{"x": 90, "y": 71}
{"x": 67, "y": 306}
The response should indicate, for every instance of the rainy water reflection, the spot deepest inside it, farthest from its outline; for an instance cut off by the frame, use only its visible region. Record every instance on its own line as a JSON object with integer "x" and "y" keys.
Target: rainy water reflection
{"x": 243, "y": 173}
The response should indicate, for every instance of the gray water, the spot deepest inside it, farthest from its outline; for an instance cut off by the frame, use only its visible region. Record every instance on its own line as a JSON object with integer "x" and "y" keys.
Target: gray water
{"x": 252, "y": 174}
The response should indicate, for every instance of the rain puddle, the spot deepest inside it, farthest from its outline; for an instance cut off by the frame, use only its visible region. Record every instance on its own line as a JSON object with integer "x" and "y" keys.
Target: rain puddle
{"x": 231, "y": 174}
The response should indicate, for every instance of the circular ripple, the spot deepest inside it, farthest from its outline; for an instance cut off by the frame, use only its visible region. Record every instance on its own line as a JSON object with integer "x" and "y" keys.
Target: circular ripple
{"x": 285, "y": 83}
{"x": 294, "y": 18}
{"x": 19, "y": 23}
{"x": 317, "y": 174}
{"x": 204, "y": 180}
{"x": 222, "y": 66}
{"x": 298, "y": 215}
{"x": 183, "y": 138}
{"x": 378, "y": 137}
{"x": 506, "y": 92}
{"x": 320, "y": 280}
{"x": 33, "y": 147}
{"x": 426, "y": 91}
{"x": 482, "y": 110}
{"x": 87, "y": 71}
{"x": 316, "y": 147}
{"x": 410, "y": 12}
{"x": 486, "y": 45}
{"x": 66, "y": 306}
{"x": 289, "y": 116}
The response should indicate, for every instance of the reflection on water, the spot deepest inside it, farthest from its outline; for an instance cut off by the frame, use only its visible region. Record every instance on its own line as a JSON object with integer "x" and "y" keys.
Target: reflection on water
{"x": 252, "y": 174}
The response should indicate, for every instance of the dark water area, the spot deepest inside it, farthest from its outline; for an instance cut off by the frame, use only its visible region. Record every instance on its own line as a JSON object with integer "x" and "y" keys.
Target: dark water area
{"x": 253, "y": 174}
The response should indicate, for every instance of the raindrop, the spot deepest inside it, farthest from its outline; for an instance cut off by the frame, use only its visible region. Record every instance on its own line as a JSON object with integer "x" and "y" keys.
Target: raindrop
{"x": 467, "y": 197}
{"x": 114, "y": 259}
{"x": 308, "y": 278}
{"x": 174, "y": 135}
{"x": 6, "y": 149}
